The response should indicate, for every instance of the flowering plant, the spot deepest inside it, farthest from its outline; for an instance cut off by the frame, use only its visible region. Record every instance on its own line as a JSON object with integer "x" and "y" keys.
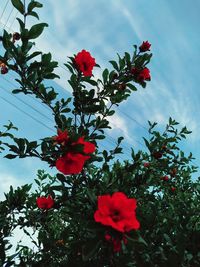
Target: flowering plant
{"x": 95, "y": 210}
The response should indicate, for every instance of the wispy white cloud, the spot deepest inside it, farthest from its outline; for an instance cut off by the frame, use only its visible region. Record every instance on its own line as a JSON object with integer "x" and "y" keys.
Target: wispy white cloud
{"x": 6, "y": 180}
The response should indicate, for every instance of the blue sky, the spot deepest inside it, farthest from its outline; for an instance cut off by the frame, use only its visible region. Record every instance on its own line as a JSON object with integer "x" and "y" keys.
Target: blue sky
{"x": 105, "y": 28}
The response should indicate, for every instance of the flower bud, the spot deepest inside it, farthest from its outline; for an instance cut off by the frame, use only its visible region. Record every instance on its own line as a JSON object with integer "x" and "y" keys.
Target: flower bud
{"x": 145, "y": 46}
{"x": 173, "y": 189}
{"x": 4, "y": 70}
{"x": 165, "y": 178}
{"x": 16, "y": 36}
{"x": 122, "y": 86}
{"x": 157, "y": 155}
{"x": 146, "y": 164}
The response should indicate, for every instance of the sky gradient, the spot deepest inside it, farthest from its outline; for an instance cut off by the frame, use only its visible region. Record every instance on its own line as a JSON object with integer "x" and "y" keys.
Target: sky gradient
{"x": 106, "y": 28}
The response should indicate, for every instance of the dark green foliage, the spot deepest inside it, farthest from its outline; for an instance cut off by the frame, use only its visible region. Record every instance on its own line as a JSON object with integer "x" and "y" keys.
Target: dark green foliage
{"x": 67, "y": 235}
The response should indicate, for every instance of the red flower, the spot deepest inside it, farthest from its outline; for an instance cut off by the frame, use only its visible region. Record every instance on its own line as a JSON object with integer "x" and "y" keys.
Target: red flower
{"x": 85, "y": 63}
{"x": 135, "y": 71}
{"x": 165, "y": 178}
{"x": 4, "y": 70}
{"x": 173, "y": 172}
{"x": 62, "y": 137}
{"x": 144, "y": 75}
{"x": 116, "y": 242}
{"x": 117, "y": 211}
{"x": 117, "y": 245}
{"x": 157, "y": 155}
{"x": 146, "y": 164}
{"x": 3, "y": 67}
{"x": 88, "y": 147}
{"x": 71, "y": 163}
{"x": 108, "y": 237}
{"x": 173, "y": 189}
{"x": 45, "y": 202}
{"x": 16, "y": 36}
{"x": 145, "y": 46}
{"x": 141, "y": 75}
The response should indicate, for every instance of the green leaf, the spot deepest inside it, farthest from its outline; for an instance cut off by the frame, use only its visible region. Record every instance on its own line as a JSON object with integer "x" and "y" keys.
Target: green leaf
{"x": 120, "y": 139}
{"x": 111, "y": 112}
{"x": 91, "y": 196}
{"x": 61, "y": 177}
{"x": 131, "y": 86}
{"x": 34, "y": 54}
{"x": 36, "y": 30}
{"x": 33, "y": 5}
{"x": 114, "y": 64}
{"x": 90, "y": 249}
{"x": 88, "y": 80}
{"x": 51, "y": 76}
{"x": 105, "y": 75}
{"x": 46, "y": 58}
{"x": 10, "y": 156}
{"x": 21, "y": 23}
{"x": 16, "y": 91}
{"x": 34, "y": 14}
{"x": 18, "y": 5}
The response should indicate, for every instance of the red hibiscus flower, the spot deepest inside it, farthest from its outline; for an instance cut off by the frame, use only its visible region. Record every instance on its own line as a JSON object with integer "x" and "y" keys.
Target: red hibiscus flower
{"x": 88, "y": 147}
{"x": 62, "y": 137}
{"x": 165, "y": 178}
{"x": 117, "y": 211}
{"x": 85, "y": 62}
{"x": 45, "y": 202}
{"x": 71, "y": 163}
{"x": 144, "y": 75}
{"x": 145, "y": 46}
{"x": 116, "y": 242}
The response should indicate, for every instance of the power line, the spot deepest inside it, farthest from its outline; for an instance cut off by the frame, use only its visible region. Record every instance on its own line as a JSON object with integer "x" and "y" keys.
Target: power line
{"x": 110, "y": 137}
{"x": 125, "y": 114}
{"x": 30, "y": 96}
{"x": 119, "y": 110}
{"x": 131, "y": 118}
{"x": 5, "y": 25}
{"x": 4, "y": 9}
{"x": 25, "y": 103}
{"x": 128, "y": 116}
{"x": 11, "y": 24}
{"x": 33, "y": 118}
{"x": 27, "y": 114}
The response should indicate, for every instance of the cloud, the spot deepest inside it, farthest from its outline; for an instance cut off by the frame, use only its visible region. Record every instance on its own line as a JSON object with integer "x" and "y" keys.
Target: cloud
{"x": 20, "y": 238}
{"x": 6, "y": 180}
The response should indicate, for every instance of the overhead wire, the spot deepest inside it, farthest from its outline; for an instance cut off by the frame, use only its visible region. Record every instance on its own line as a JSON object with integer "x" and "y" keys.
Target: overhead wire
{"x": 4, "y": 9}
{"x": 25, "y": 103}
{"x": 35, "y": 119}
{"x": 119, "y": 109}
{"x": 124, "y": 113}
{"x": 30, "y": 96}
{"x": 132, "y": 119}
{"x": 111, "y": 138}
{"x": 27, "y": 114}
{"x": 5, "y": 24}
{"x": 11, "y": 24}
